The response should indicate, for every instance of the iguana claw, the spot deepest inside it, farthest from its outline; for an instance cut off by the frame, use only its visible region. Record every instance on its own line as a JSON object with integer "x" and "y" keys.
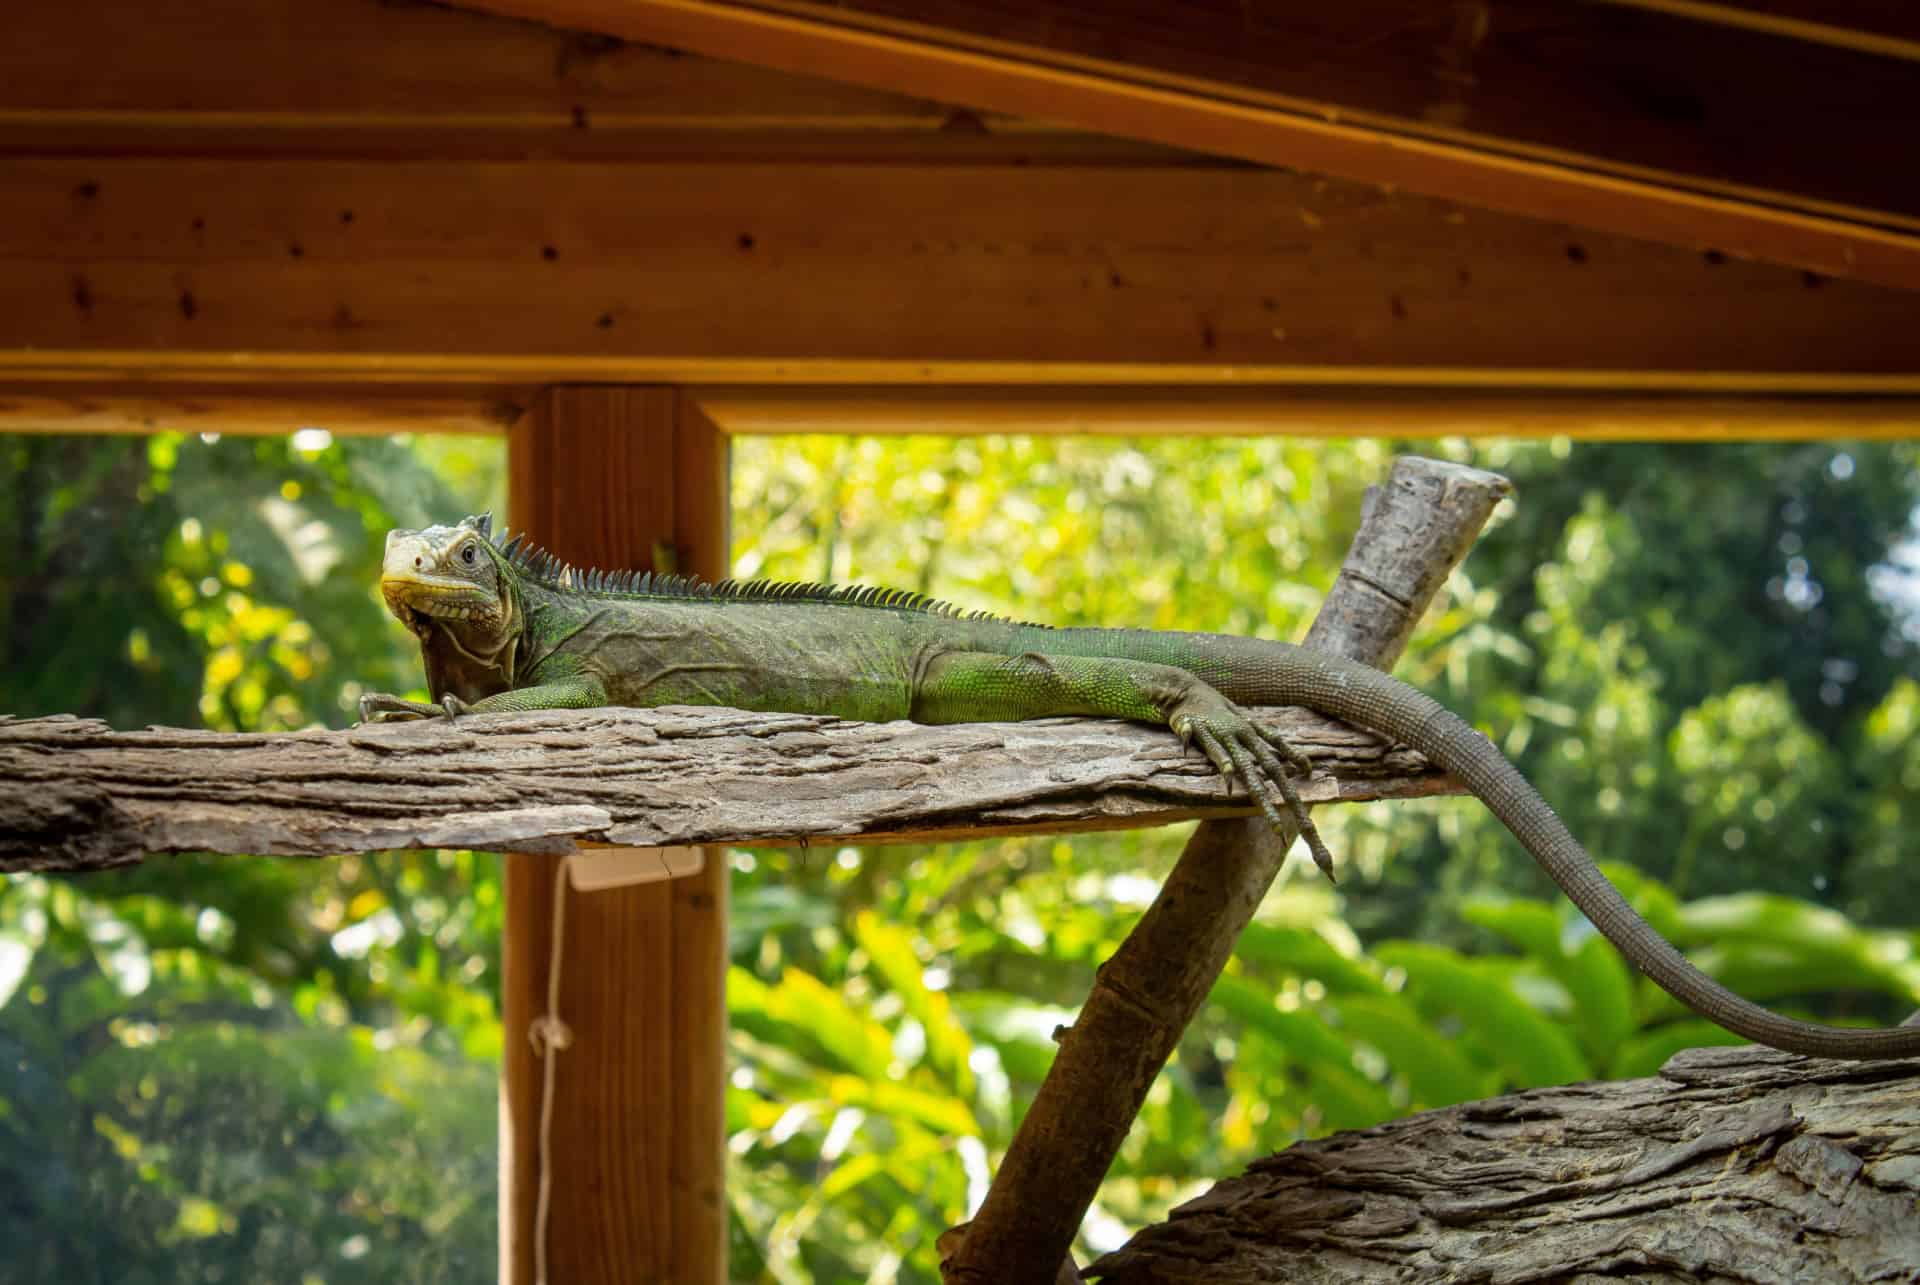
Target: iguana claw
{"x": 1262, "y": 762}
{"x": 380, "y": 707}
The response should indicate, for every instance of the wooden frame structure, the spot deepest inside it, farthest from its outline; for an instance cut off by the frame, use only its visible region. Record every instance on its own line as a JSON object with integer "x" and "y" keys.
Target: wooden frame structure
{"x": 245, "y": 215}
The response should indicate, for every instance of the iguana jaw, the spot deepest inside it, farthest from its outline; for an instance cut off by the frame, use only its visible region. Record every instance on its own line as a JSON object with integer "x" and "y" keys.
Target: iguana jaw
{"x": 420, "y": 600}
{"x": 424, "y": 579}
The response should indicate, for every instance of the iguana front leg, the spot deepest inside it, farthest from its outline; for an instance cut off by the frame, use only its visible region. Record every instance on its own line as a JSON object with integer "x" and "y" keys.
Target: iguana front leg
{"x": 578, "y": 692}
{"x": 970, "y": 687}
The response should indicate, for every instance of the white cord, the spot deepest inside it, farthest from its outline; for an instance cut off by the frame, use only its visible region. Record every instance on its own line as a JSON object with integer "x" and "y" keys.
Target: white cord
{"x": 549, "y": 1035}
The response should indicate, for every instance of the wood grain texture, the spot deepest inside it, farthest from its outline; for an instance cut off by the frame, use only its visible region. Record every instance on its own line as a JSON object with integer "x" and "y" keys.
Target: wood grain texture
{"x": 1626, "y": 87}
{"x": 282, "y": 408}
{"x": 619, "y": 476}
{"x": 139, "y": 270}
{"x": 1623, "y": 119}
{"x": 76, "y": 795}
{"x": 1738, "y": 1165}
{"x": 1299, "y": 412}
{"x": 1203, "y": 411}
{"x": 1414, "y": 530}
{"x": 367, "y": 77}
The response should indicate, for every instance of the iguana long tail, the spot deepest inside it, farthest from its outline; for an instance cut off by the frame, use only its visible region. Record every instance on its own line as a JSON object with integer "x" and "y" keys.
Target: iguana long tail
{"x": 1253, "y": 672}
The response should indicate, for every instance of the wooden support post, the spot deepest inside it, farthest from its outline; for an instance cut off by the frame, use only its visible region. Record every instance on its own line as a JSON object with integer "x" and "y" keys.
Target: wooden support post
{"x": 602, "y": 476}
{"x": 1415, "y": 530}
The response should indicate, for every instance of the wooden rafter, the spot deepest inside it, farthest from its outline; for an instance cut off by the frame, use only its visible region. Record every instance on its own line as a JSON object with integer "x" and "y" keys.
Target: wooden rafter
{"x": 1634, "y": 119}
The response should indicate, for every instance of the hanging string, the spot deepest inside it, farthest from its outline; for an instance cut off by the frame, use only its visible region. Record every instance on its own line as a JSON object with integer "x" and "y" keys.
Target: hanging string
{"x": 549, "y": 1035}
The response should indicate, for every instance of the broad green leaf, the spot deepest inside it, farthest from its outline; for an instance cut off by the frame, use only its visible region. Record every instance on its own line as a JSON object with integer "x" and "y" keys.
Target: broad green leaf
{"x": 1844, "y": 956}
{"x": 890, "y": 947}
{"x": 1645, "y": 1054}
{"x": 1018, "y": 1029}
{"x": 1301, "y": 1035}
{"x": 946, "y": 1115}
{"x": 1438, "y": 1073}
{"x": 1532, "y": 1049}
{"x": 1781, "y": 920}
{"x": 1308, "y": 955}
{"x": 850, "y": 1173}
{"x": 742, "y": 1108}
{"x": 1346, "y": 1099}
{"x": 1765, "y": 972}
{"x": 802, "y": 1010}
{"x": 1601, "y": 984}
{"x": 1596, "y": 979}
{"x": 1531, "y": 925}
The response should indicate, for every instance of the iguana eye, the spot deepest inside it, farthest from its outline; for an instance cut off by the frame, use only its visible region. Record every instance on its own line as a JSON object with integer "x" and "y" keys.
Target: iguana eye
{"x": 467, "y": 555}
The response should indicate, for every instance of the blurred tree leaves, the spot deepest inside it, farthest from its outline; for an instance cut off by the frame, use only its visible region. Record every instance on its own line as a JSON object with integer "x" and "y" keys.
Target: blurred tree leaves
{"x": 237, "y": 1069}
{"x": 1636, "y": 631}
{"x": 275, "y": 1070}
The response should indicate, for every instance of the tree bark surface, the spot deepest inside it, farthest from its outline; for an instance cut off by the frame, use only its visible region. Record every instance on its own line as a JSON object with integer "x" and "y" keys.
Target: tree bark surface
{"x": 76, "y": 795}
{"x": 1732, "y": 1165}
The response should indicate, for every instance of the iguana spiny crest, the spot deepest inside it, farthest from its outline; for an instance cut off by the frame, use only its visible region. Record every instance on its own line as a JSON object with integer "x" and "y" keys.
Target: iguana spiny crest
{"x": 465, "y": 572}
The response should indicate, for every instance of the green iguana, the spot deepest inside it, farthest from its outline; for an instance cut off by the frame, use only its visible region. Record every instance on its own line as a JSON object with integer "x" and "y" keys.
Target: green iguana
{"x": 505, "y": 626}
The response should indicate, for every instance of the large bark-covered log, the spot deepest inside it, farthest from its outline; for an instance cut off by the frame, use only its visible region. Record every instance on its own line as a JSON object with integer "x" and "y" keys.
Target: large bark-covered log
{"x": 76, "y": 795}
{"x": 1733, "y": 1165}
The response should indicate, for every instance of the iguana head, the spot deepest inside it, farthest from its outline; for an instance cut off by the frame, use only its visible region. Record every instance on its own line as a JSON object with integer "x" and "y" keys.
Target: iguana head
{"x": 450, "y": 579}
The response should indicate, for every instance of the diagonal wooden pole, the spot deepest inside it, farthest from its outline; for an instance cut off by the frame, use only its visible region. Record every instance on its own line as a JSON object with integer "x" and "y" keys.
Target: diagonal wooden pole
{"x": 1414, "y": 530}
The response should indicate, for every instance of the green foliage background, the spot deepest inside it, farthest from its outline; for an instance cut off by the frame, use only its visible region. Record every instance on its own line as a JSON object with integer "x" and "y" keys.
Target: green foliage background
{"x": 253, "y": 1069}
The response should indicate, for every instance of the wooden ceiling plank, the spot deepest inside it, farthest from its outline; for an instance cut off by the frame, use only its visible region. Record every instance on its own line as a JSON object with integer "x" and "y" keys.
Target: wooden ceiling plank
{"x": 1890, "y": 28}
{"x": 946, "y": 410}
{"x": 1602, "y": 117}
{"x": 1305, "y": 412}
{"x": 367, "y": 64}
{"x": 141, "y": 269}
{"x": 231, "y": 409}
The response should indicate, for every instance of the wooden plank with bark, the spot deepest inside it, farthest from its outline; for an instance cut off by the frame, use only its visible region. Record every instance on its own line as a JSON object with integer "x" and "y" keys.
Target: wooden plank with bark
{"x": 77, "y": 795}
{"x": 1732, "y": 1165}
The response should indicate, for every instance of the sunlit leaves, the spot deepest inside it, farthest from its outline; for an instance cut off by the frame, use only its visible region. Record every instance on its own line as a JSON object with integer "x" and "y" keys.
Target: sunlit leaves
{"x": 893, "y": 1009}
{"x": 230, "y": 580}
{"x": 1565, "y": 637}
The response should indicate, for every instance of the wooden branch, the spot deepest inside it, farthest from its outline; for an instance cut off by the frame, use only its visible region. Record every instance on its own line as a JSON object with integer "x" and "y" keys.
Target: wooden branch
{"x": 1414, "y": 531}
{"x": 1733, "y": 1165}
{"x": 76, "y": 795}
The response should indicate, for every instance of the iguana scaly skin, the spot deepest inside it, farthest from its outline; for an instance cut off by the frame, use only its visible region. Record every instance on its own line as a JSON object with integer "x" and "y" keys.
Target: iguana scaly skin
{"x": 504, "y": 626}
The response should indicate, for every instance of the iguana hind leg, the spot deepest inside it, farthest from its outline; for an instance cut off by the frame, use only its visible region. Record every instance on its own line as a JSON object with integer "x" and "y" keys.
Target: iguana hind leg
{"x": 965, "y": 687}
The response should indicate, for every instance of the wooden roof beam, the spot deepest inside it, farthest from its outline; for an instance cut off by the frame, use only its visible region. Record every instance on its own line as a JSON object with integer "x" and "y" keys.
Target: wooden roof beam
{"x": 1754, "y": 139}
{"x": 151, "y": 271}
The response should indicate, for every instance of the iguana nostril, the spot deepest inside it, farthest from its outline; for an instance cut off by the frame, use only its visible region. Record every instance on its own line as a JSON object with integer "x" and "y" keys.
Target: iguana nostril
{"x": 418, "y": 562}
